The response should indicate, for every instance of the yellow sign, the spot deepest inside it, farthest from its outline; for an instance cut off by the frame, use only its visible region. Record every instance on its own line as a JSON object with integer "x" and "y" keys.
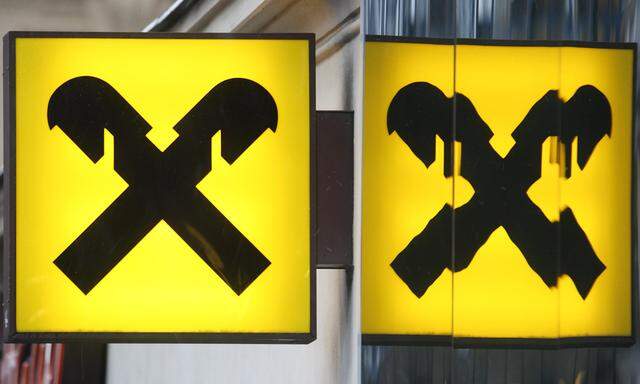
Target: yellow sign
{"x": 497, "y": 192}
{"x": 160, "y": 187}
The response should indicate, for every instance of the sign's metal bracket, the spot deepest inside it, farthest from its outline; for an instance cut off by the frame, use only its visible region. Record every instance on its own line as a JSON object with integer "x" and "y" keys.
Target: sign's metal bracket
{"x": 334, "y": 194}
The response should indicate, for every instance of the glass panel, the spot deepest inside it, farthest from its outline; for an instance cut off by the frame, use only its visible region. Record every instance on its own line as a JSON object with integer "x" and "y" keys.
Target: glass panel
{"x": 408, "y": 120}
{"x": 506, "y": 244}
{"x": 596, "y": 201}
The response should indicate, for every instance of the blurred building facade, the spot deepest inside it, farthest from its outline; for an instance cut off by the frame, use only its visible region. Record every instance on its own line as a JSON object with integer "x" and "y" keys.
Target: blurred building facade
{"x": 333, "y": 357}
{"x": 585, "y": 20}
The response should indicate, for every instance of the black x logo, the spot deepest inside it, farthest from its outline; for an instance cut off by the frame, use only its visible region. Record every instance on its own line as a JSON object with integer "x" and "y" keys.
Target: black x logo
{"x": 162, "y": 185}
{"x": 420, "y": 111}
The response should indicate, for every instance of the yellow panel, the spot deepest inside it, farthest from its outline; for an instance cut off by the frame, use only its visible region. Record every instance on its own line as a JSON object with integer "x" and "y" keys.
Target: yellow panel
{"x": 600, "y": 196}
{"x": 162, "y": 285}
{"x": 498, "y": 295}
{"x": 400, "y": 193}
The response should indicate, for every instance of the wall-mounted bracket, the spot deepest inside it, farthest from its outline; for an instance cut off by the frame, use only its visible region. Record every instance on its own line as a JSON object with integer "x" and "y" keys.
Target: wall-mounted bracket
{"x": 335, "y": 189}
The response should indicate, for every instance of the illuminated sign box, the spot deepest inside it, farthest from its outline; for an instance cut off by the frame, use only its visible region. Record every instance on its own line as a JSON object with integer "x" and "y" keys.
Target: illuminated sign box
{"x": 159, "y": 187}
{"x": 510, "y": 163}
